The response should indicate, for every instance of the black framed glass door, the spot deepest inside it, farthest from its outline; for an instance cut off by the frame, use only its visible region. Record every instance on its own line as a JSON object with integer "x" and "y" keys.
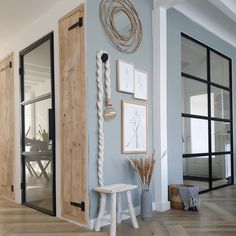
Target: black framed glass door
{"x": 38, "y": 125}
{"x": 207, "y": 127}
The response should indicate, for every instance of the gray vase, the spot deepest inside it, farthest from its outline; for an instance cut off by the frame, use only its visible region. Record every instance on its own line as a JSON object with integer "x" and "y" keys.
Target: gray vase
{"x": 146, "y": 205}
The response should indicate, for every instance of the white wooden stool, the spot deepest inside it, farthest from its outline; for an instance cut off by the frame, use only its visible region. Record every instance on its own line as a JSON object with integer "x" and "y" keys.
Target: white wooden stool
{"x": 115, "y": 190}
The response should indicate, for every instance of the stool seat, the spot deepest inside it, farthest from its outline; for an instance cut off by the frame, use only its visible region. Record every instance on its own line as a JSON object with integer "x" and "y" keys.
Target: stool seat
{"x": 115, "y": 188}
{"x": 115, "y": 191}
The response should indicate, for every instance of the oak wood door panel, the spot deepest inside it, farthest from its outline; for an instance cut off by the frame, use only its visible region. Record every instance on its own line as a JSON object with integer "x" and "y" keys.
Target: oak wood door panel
{"x": 6, "y": 128}
{"x": 73, "y": 116}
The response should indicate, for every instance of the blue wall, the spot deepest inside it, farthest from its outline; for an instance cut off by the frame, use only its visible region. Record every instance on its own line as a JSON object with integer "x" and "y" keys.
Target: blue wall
{"x": 177, "y": 23}
{"x": 116, "y": 167}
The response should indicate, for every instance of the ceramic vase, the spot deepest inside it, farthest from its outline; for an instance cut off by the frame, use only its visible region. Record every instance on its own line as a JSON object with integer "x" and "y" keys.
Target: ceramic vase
{"x": 146, "y": 205}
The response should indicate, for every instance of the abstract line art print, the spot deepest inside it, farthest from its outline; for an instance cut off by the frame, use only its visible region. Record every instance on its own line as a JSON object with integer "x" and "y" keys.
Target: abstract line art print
{"x": 140, "y": 85}
{"x": 125, "y": 76}
{"x": 134, "y": 127}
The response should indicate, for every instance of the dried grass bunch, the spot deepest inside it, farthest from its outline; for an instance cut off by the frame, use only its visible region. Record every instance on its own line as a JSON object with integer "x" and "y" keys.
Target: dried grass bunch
{"x": 144, "y": 168}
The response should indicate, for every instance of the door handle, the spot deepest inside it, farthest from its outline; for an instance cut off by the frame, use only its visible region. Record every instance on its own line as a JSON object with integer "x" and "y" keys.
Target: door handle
{"x": 51, "y": 124}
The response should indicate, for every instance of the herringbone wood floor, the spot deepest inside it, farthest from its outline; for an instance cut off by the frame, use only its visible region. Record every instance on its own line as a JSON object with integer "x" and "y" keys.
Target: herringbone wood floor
{"x": 217, "y": 217}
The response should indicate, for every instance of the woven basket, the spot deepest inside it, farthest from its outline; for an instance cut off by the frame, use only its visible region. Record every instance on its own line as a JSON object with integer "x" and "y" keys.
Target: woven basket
{"x": 174, "y": 196}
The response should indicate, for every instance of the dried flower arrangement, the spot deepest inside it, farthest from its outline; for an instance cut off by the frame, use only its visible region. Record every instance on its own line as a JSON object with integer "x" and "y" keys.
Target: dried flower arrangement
{"x": 144, "y": 167}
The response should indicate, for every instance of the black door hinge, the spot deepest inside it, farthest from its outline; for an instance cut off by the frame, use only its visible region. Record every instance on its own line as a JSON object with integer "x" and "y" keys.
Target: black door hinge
{"x": 12, "y": 188}
{"x": 80, "y": 205}
{"x": 20, "y": 71}
{"x": 10, "y": 64}
{"x": 79, "y": 23}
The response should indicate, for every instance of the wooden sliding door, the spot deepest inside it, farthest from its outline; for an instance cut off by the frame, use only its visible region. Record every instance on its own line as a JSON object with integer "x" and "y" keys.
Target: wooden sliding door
{"x": 73, "y": 117}
{"x": 6, "y": 128}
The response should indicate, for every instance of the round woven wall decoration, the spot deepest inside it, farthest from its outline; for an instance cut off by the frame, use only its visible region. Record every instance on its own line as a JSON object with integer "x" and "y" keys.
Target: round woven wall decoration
{"x": 109, "y": 10}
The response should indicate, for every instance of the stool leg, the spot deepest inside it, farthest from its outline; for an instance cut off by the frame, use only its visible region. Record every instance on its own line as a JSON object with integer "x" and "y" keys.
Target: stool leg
{"x": 131, "y": 209}
{"x": 118, "y": 202}
{"x": 101, "y": 211}
{"x": 113, "y": 215}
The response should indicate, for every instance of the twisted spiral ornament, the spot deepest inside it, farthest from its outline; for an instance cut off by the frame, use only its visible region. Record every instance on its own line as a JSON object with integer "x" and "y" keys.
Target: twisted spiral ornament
{"x": 100, "y": 119}
{"x": 109, "y": 112}
{"x": 108, "y": 79}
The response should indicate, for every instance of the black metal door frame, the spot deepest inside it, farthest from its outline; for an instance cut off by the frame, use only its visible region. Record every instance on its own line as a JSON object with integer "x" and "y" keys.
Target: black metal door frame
{"x": 209, "y": 118}
{"x": 52, "y": 123}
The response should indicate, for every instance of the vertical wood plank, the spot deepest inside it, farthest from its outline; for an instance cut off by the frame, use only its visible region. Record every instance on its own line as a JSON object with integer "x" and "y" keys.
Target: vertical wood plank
{"x": 73, "y": 117}
{"x": 6, "y": 127}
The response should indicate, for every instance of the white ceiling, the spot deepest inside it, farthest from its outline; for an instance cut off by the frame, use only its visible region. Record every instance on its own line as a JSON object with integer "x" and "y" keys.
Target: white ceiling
{"x": 217, "y": 16}
{"x": 228, "y": 7}
{"x": 167, "y": 3}
{"x": 15, "y": 15}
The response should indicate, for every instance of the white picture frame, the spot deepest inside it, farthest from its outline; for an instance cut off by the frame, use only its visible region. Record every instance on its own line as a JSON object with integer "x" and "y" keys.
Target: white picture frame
{"x": 140, "y": 84}
{"x": 134, "y": 127}
{"x": 125, "y": 76}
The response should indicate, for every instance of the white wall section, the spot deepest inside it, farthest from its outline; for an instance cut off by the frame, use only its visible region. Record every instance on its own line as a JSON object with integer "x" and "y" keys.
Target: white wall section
{"x": 160, "y": 108}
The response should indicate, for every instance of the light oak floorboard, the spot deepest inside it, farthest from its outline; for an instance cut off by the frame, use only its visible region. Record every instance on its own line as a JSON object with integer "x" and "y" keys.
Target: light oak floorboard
{"x": 216, "y": 217}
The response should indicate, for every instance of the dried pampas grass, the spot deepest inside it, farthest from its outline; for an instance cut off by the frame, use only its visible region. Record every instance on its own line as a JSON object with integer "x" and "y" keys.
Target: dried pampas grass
{"x": 144, "y": 167}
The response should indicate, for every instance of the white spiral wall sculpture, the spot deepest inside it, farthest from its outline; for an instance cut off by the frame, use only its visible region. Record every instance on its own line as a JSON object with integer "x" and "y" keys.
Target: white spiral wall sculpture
{"x": 110, "y": 10}
{"x": 102, "y": 57}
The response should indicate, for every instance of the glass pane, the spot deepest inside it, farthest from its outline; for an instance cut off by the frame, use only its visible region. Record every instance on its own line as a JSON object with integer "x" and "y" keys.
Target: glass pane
{"x": 37, "y": 72}
{"x": 220, "y": 138}
{"x": 221, "y": 103}
{"x": 221, "y": 170}
{"x": 194, "y": 97}
{"x": 194, "y": 58}
{"x": 36, "y": 127}
{"x": 196, "y": 171}
{"x": 219, "y": 69}
{"x": 38, "y": 173}
{"x": 195, "y": 135}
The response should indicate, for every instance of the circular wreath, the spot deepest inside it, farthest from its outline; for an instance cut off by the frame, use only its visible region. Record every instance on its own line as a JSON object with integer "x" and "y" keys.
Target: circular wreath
{"x": 124, "y": 43}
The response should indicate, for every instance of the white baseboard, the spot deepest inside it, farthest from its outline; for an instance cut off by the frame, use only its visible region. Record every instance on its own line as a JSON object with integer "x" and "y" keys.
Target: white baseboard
{"x": 162, "y": 206}
{"x": 73, "y": 222}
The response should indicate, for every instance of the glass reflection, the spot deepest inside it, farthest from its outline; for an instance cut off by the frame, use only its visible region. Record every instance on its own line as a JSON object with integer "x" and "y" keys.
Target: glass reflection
{"x": 37, "y": 72}
{"x": 221, "y": 170}
{"x": 194, "y": 58}
{"x": 195, "y": 135}
{"x": 39, "y": 180}
{"x": 36, "y": 127}
{"x": 219, "y": 69}
{"x": 38, "y": 155}
{"x": 221, "y": 103}
{"x": 194, "y": 97}
{"x": 196, "y": 171}
{"x": 220, "y": 136}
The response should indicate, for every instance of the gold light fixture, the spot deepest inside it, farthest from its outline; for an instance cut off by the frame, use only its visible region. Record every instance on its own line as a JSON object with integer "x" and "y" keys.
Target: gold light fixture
{"x": 109, "y": 113}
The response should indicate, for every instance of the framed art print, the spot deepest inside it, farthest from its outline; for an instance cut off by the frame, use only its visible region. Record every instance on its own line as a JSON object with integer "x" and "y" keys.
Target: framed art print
{"x": 134, "y": 127}
{"x": 140, "y": 85}
{"x": 125, "y": 76}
